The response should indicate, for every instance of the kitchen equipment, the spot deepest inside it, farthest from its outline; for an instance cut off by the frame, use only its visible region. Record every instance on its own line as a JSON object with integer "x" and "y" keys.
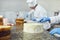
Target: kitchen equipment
{"x": 19, "y": 23}
{"x": 5, "y": 21}
{"x": 5, "y": 32}
{"x": 33, "y": 27}
{"x": 35, "y": 31}
{"x": 1, "y": 20}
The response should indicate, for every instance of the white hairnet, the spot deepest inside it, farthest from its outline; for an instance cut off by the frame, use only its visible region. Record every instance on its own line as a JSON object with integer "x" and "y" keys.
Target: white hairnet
{"x": 31, "y": 3}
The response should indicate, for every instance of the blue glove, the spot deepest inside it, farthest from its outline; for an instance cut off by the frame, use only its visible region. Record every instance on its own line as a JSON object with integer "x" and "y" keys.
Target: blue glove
{"x": 55, "y": 31}
{"x": 45, "y": 19}
{"x": 33, "y": 19}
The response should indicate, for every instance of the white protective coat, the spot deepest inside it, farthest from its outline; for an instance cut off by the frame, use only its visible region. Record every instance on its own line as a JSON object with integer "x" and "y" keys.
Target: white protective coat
{"x": 55, "y": 19}
{"x": 39, "y": 13}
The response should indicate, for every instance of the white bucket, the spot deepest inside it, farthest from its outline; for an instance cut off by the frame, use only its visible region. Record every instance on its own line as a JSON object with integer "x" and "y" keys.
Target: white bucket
{"x": 33, "y": 31}
{"x": 33, "y": 27}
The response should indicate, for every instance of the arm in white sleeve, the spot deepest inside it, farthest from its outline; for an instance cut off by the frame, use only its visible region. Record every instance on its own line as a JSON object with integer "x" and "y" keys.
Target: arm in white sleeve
{"x": 55, "y": 19}
{"x": 57, "y": 35}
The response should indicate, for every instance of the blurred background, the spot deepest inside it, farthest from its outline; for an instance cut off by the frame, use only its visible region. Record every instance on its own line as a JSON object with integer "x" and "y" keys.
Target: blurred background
{"x": 8, "y": 8}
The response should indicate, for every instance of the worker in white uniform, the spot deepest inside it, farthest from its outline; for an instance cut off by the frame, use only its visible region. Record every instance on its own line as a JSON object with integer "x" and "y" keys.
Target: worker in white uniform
{"x": 37, "y": 12}
{"x": 54, "y": 19}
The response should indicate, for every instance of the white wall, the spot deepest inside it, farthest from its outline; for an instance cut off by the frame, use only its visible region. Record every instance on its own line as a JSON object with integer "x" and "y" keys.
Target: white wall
{"x": 50, "y": 5}
{"x": 14, "y": 5}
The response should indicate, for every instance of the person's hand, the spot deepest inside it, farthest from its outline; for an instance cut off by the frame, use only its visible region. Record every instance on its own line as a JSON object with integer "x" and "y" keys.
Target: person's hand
{"x": 34, "y": 19}
{"x": 45, "y": 19}
{"x": 55, "y": 31}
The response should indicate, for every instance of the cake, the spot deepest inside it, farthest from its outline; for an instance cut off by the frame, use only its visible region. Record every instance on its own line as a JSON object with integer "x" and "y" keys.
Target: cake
{"x": 35, "y": 31}
{"x": 33, "y": 27}
{"x": 5, "y": 32}
{"x": 5, "y": 28}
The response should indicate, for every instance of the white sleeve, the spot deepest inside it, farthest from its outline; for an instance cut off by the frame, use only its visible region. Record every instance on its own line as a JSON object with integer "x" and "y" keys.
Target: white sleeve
{"x": 31, "y": 11}
{"x": 27, "y": 17}
{"x": 55, "y": 19}
{"x": 57, "y": 35}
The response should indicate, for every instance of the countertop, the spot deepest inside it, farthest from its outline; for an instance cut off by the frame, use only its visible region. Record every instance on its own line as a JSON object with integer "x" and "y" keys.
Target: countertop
{"x": 17, "y": 34}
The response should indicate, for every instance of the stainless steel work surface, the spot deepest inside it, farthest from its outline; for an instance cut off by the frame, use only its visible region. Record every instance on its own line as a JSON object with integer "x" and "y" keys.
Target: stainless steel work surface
{"x": 18, "y": 35}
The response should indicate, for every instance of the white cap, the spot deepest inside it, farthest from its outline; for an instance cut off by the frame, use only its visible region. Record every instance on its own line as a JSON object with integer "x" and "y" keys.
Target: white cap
{"x": 31, "y": 3}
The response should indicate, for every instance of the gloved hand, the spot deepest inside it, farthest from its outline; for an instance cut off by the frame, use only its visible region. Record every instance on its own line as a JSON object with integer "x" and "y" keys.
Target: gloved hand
{"x": 55, "y": 31}
{"x": 45, "y": 19}
{"x": 33, "y": 19}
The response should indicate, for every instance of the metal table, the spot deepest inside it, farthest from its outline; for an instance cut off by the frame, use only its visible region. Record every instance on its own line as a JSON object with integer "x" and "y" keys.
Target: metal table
{"x": 18, "y": 35}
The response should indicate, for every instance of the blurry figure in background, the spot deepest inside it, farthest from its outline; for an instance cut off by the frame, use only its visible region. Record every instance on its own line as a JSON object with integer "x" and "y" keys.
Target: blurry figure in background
{"x": 53, "y": 20}
{"x": 56, "y": 13}
{"x": 37, "y": 11}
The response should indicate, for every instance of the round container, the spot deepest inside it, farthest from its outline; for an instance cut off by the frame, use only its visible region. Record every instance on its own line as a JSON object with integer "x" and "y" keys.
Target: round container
{"x": 35, "y": 31}
{"x": 32, "y": 31}
{"x": 33, "y": 27}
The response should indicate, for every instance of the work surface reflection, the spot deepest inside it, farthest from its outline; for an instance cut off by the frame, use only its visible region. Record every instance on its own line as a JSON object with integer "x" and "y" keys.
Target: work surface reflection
{"x": 17, "y": 34}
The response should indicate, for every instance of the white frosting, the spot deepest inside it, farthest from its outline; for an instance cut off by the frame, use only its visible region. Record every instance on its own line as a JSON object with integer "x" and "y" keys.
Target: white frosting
{"x": 33, "y": 27}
